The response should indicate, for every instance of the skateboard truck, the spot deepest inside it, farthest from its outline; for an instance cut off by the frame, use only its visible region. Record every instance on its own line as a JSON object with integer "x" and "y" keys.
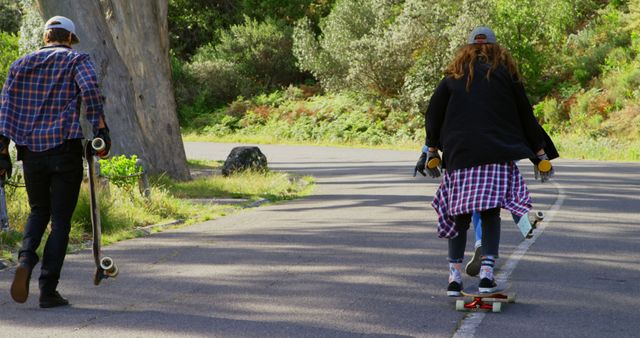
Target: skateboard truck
{"x": 490, "y": 301}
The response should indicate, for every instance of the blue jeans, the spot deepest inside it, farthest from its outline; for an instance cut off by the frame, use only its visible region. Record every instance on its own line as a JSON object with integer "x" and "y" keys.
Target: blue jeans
{"x": 477, "y": 224}
{"x": 52, "y": 182}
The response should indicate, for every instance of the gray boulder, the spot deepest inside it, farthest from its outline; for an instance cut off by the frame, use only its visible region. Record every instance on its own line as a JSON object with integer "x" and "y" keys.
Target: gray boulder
{"x": 244, "y": 158}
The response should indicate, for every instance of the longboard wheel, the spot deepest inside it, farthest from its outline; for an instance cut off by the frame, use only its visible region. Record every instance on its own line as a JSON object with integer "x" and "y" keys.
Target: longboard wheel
{"x": 109, "y": 266}
{"x": 106, "y": 263}
{"x": 496, "y": 307}
{"x": 544, "y": 166}
{"x": 460, "y": 305}
{"x": 433, "y": 163}
{"x": 113, "y": 272}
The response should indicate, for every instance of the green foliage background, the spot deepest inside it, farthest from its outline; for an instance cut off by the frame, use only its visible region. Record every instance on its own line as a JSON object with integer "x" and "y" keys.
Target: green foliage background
{"x": 362, "y": 71}
{"x": 368, "y": 68}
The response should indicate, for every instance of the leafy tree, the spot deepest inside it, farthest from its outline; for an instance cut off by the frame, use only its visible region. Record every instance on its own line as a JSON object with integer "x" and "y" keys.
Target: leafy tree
{"x": 10, "y": 16}
{"x": 9, "y": 52}
{"x": 193, "y": 23}
{"x": 288, "y": 11}
{"x": 348, "y": 52}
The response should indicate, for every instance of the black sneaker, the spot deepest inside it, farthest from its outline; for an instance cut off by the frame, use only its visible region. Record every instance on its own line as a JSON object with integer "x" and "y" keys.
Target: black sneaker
{"x": 473, "y": 267}
{"x": 487, "y": 285}
{"x": 454, "y": 288}
{"x": 54, "y": 299}
{"x": 20, "y": 285}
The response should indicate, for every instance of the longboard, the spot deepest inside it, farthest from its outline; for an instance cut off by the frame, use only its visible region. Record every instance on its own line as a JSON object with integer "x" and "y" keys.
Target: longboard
{"x": 105, "y": 266}
{"x": 529, "y": 222}
{"x": 485, "y": 301}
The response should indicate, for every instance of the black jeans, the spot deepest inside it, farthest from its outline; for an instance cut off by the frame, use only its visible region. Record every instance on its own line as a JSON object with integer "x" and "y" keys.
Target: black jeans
{"x": 53, "y": 183}
{"x": 490, "y": 234}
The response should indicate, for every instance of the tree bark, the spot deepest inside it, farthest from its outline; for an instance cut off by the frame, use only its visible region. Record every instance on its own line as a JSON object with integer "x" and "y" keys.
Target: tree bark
{"x": 128, "y": 42}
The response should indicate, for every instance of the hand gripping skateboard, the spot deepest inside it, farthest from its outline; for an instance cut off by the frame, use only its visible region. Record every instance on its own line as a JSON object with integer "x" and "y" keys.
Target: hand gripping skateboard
{"x": 105, "y": 266}
{"x": 474, "y": 300}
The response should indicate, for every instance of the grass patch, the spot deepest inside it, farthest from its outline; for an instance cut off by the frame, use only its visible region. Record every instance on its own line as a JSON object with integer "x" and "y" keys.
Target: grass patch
{"x": 123, "y": 210}
{"x": 272, "y": 185}
{"x": 575, "y": 146}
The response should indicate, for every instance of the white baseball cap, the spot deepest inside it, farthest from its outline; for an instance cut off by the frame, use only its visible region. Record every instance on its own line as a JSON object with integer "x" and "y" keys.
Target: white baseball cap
{"x": 481, "y": 35}
{"x": 64, "y": 23}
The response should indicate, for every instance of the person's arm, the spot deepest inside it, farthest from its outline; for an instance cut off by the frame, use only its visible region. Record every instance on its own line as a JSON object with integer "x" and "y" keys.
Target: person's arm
{"x": 429, "y": 158}
{"x": 87, "y": 80}
{"x": 434, "y": 116}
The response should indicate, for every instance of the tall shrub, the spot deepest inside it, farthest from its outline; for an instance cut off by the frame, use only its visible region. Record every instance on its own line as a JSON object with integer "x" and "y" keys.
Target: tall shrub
{"x": 9, "y": 52}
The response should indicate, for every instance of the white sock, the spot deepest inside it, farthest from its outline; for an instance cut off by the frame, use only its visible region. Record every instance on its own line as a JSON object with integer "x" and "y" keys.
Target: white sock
{"x": 486, "y": 269}
{"x": 455, "y": 272}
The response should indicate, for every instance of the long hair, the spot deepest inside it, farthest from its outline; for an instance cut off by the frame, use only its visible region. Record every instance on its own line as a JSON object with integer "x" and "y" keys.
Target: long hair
{"x": 489, "y": 53}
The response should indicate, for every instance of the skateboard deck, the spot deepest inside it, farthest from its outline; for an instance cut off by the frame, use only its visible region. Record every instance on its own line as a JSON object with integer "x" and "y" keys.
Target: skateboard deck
{"x": 105, "y": 266}
{"x": 529, "y": 222}
{"x": 4, "y": 214}
{"x": 487, "y": 301}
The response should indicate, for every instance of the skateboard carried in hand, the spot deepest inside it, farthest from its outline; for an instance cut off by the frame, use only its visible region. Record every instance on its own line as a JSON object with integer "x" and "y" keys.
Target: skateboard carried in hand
{"x": 473, "y": 300}
{"x": 529, "y": 222}
{"x": 105, "y": 266}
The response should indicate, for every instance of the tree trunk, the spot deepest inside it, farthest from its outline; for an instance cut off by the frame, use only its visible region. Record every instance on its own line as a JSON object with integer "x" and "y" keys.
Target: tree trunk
{"x": 128, "y": 42}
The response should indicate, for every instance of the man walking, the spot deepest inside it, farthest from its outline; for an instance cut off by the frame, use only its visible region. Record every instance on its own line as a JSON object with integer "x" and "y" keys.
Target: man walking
{"x": 40, "y": 113}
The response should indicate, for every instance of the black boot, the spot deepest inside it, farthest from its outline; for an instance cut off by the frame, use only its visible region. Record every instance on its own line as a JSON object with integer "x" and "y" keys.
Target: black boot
{"x": 54, "y": 299}
{"x": 20, "y": 285}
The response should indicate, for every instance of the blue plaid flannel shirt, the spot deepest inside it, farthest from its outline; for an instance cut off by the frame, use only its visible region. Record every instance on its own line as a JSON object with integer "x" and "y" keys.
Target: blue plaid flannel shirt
{"x": 39, "y": 103}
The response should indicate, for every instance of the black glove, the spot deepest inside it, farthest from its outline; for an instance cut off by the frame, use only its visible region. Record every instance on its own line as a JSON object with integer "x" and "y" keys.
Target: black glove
{"x": 433, "y": 164}
{"x": 542, "y": 168}
{"x": 429, "y": 161}
{"x": 103, "y": 133}
{"x": 5, "y": 165}
{"x": 420, "y": 165}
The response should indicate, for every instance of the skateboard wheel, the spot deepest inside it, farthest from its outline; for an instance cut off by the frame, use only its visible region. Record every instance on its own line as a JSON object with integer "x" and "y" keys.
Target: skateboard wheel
{"x": 460, "y": 305}
{"x": 106, "y": 263}
{"x": 544, "y": 166}
{"x": 496, "y": 307}
{"x": 433, "y": 163}
{"x": 98, "y": 144}
{"x": 109, "y": 267}
{"x": 511, "y": 298}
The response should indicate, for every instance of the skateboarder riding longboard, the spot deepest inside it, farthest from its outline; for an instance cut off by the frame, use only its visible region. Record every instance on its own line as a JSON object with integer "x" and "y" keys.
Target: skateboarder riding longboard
{"x": 486, "y": 301}
{"x": 105, "y": 266}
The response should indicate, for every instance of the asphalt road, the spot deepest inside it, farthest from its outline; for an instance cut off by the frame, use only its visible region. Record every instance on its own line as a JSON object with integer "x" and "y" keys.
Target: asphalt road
{"x": 358, "y": 258}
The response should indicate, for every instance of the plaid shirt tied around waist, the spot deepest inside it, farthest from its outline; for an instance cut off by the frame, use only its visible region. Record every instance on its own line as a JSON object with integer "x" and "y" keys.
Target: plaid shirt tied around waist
{"x": 39, "y": 104}
{"x": 479, "y": 188}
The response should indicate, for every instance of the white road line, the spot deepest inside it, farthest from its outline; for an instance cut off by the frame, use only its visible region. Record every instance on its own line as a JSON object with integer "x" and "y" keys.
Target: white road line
{"x": 470, "y": 322}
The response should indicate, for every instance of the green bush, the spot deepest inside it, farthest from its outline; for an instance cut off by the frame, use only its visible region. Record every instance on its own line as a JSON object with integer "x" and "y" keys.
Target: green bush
{"x": 260, "y": 52}
{"x": 9, "y": 52}
{"x": 122, "y": 171}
